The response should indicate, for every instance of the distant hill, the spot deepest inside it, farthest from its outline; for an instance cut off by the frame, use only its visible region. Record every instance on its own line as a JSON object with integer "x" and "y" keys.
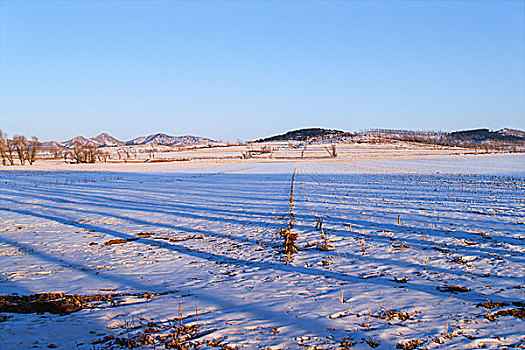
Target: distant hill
{"x": 513, "y": 132}
{"x": 304, "y": 134}
{"x": 102, "y": 140}
{"x": 105, "y": 140}
{"x": 462, "y": 137}
{"x": 486, "y": 134}
{"x": 465, "y": 138}
{"x": 79, "y": 139}
{"x": 167, "y": 140}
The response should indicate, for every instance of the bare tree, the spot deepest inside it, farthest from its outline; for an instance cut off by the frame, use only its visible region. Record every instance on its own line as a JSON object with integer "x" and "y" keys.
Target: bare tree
{"x": 57, "y": 153}
{"x": 25, "y": 149}
{"x": 92, "y": 153}
{"x": 303, "y": 150}
{"x": 10, "y": 152}
{"x": 78, "y": 153}
{"x": 103, "y": 156}
{"x": 67, "y": 154}
{"x": 332, "y": 150}
{"x": 21, "y": 144}
{"x": 133, "y": 152}
{"x": 151, "y": 152}
{"x": 126, "y": 154}
{"x": 31, "y": 149}
{"x": 84, "y": 153}
{"x": 3, "y": 147}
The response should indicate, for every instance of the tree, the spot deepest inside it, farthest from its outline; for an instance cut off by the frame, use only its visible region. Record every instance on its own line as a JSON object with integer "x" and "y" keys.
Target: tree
{"x": 103, "y": 156}
{"x": 332, "y": 150}
{"x": 21, "y": 144}
{"x": 125, "y": 153}
{"x": 92, "y": 152}
{"x": 3, "y": 147}
{"x": 9, "y": 151}
{"x": 57, "y": 153}
{"x": 151, "y": 151}
{"x": 25, "y": 149}
{"x": 84, "y": 153}
{"x": 67, "y": 154}
{"x": 303, "y": 150}
{"x": 32, "y": 149}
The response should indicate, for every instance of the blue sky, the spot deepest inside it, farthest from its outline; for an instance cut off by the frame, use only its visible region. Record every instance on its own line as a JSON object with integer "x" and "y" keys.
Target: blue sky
{"x": 246, "y": 69}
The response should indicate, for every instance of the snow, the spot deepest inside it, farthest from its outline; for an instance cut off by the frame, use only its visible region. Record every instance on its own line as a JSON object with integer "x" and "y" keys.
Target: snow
{"x": 398, "y": 229}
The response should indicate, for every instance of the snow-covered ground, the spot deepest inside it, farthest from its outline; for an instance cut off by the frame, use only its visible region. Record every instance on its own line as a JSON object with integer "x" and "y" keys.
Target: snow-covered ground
{"x": 413, "y": 247}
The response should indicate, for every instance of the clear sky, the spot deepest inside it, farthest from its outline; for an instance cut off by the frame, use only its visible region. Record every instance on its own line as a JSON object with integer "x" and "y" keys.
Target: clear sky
{"x": 247, "y": 69}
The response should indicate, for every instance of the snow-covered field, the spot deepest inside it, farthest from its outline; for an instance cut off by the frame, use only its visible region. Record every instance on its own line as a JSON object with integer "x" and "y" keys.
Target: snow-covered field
{"x": 193, "y": 255}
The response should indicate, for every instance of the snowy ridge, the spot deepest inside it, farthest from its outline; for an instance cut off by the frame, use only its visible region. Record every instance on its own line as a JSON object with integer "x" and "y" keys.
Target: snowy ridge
{"x": 106, "y": 140}
{"x": 78, "y": 140}
{"x": 161, "y": 139}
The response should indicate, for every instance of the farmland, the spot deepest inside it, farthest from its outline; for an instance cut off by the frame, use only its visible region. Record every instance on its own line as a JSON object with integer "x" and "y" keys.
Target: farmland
{"x": 425, "y": 252}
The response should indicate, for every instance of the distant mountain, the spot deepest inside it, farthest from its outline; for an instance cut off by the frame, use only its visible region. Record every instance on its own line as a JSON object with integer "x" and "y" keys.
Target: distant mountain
{"x": 161, "y": 139}
{"x": 304, "y": 134}
{"x": 80, "y": 140}
{"x": 102, "y": 140}
{"x": 105, "y": 140}
{"x": 311, "y": 134}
